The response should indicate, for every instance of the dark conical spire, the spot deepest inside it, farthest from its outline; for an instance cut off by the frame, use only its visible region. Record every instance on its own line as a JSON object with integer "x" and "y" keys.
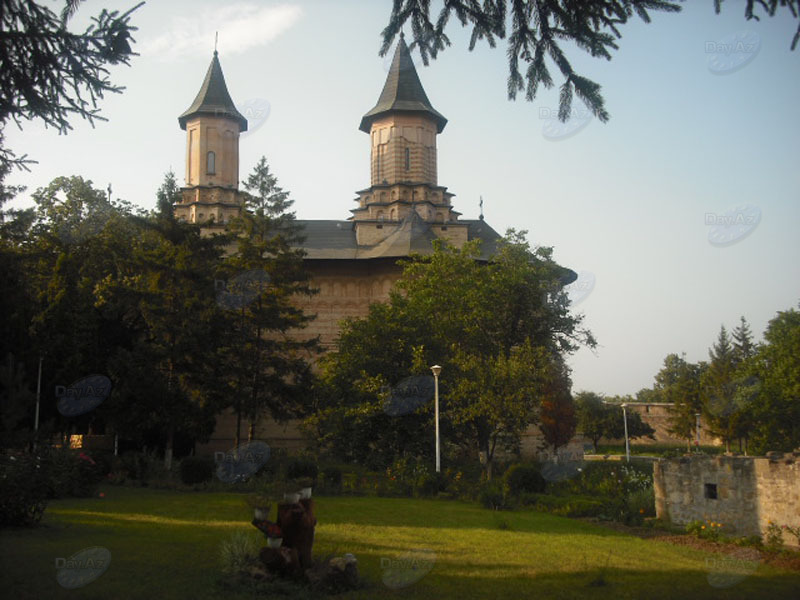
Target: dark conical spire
{"x": 213, "y": 98}
{"x": 402, "y": 92}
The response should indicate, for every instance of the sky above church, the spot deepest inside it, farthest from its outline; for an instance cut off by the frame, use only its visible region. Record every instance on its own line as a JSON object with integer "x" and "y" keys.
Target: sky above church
{"x": 680, "y": 214}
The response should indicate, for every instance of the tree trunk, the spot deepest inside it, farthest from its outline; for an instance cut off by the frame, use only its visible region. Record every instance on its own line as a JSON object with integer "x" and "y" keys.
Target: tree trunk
{"x": 168, "y": 450}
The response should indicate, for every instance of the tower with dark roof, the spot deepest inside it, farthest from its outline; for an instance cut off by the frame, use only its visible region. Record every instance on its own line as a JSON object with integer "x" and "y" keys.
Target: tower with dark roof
{"x": 212, "y": 124}
{"x": 403, "y": 126}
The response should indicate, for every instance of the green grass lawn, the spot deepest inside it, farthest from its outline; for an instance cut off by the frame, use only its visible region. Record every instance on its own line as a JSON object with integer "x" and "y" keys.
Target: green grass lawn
{"x": 165, "y": 545}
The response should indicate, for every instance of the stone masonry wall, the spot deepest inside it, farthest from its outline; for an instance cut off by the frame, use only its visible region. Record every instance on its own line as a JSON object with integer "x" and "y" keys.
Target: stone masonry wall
{"x": 742, "y": 493}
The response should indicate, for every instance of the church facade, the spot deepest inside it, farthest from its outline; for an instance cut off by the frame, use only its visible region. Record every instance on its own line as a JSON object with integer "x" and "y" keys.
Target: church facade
{"x": 353, "y": 262}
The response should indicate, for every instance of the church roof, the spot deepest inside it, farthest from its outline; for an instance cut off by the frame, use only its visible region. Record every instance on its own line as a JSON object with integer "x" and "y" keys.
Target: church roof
{"x": 330, "y": 240}
{"x": 213, "y": 98}
{"x": 336, "y": 240}
{"x": 402, "y": 92}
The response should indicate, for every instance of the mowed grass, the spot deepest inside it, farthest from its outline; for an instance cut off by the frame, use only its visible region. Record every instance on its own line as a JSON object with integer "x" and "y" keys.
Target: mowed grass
{"x": 165, "y": 545}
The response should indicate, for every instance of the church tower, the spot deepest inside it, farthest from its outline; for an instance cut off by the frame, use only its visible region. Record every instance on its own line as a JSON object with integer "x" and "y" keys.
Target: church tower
{"x": 212, "y": 126}
{"x": 404, "y": 187}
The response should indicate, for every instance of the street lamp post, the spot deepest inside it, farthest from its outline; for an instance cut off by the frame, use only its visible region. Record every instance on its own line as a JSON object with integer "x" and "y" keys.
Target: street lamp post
{"x": 627, "y": 445}
{"x": 436, "y": 370}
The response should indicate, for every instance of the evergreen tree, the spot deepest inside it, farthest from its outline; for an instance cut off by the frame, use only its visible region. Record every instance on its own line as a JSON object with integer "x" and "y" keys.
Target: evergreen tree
{"x": 719, "y": 388}
{"x": 537, "y": 29}
{"x": 744, "y": 348}
{"x": 51, "y": 74}
{"x": 269, "y": 368}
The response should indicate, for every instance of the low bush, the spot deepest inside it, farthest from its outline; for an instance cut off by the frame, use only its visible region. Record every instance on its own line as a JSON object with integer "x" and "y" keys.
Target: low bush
{"x": 70, "y": 473}
{"x": 24, "y": 489}
{"x": 196, "y": 469}
{"x": 524, "y": 478}
{"x": 302, "y": 467}
{"x": 490, "y": 495}
{"x": 238, "y": 552}
{"x": 707, "y": 529}
{"x": 330, "y": 480}
{"x": 566, "y": 506}
{"x": 641, "y": 504}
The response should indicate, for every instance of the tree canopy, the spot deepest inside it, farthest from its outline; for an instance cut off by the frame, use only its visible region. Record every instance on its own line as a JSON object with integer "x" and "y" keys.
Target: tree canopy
{"x": 52, "y": 74}
{"x": 497, "y": 329}
{"x": 538, "y": 29}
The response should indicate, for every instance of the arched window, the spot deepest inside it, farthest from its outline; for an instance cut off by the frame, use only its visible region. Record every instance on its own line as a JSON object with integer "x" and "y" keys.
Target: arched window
{"x": 408, "y": 159}
{"x": 211, "y": 160}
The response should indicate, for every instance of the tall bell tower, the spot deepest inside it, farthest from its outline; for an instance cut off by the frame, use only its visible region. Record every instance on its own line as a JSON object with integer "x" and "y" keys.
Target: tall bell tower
{"x": 212, "y": 126}
{"x": 403, "y": 127}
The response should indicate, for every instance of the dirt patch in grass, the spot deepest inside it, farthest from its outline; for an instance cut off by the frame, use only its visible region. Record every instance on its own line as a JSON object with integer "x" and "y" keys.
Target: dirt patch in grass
{"x": 783, "y": 560}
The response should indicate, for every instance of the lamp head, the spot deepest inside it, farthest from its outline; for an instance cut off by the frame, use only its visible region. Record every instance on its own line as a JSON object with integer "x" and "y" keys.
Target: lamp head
{"x": 436, "y": 370}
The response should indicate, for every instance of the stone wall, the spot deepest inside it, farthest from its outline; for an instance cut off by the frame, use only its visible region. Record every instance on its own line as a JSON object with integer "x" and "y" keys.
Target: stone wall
{"x": 656, "y": 414}
{"x": 742, "y": 493}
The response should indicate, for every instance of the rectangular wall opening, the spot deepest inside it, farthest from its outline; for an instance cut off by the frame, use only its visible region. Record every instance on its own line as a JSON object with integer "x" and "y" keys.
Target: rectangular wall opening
{"x": 710, "y": 491}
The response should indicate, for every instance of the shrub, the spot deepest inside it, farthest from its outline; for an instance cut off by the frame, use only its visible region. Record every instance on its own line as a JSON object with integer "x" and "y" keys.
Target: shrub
{"x": 491, "y": 495}
{"x": 70, "y": 473}
{"x": 430, "y": 484}
{"x": 331, "y": 480}
{"x": 524, "y": 479}
{"x": 302, "y": 467}
{"x": 566, "y": 506}
{"x": 24, "y": 489}
{"x": 706, "y": 529}
{"x": 773, "y": 538}
{"x": 196, "y": 469}
{"x": 136, "y": 465}
{"x": 641, "y": 503}
{"x": 238, "y": 552}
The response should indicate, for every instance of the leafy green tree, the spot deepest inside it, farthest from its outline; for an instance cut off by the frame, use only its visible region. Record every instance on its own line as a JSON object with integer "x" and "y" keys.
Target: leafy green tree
{"x": 270, "y": 361}
{"x": 777, "y": 366}
{"x": 496, "y": 398}
{"x": 52, "y": 74}
{"x": 538, "y": 27}
{"x": 16, "y": 402}
{"x": 591, "y": 413}
{"x": 557, "y": 420}
{"x": 69, "y": 253}
{"x": 493, "y": 313}
{"x": 679, "y": 383}
{"x": 599, "y": 419}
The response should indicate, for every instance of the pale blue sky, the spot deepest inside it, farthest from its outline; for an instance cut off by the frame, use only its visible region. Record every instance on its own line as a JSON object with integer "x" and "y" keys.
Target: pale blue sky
{"x": 625, "y": 202}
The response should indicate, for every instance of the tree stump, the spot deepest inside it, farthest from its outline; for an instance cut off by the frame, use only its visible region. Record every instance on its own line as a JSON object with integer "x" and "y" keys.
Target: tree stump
{"x": 297, "y": 522}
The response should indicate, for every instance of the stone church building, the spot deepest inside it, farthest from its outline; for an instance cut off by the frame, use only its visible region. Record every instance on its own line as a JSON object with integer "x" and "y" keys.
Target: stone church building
{"x": 353, "y": 262}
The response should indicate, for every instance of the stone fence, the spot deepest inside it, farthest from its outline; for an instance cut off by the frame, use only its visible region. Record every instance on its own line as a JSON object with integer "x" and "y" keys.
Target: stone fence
{"x": 742, "y": 493}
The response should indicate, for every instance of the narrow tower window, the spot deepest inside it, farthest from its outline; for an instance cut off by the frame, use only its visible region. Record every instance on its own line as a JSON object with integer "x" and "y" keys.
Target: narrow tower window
{"x": 211, "y": 160}
{"x": 408, "y": 159}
